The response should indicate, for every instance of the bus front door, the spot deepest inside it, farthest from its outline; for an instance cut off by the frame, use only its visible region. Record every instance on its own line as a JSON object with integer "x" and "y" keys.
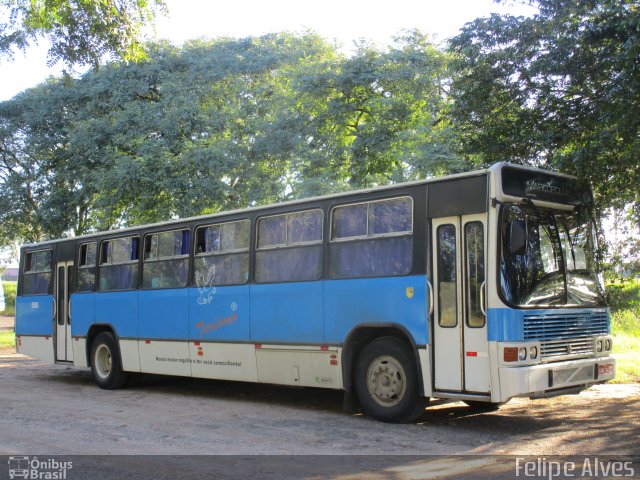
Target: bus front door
{"x": 64, "y": 347}
{"x": 460, "y": 347}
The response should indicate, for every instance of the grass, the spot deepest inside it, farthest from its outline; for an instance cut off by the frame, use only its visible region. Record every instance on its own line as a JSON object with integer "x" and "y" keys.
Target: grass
{"x": 7, "y": 339}
{"x": 625, "y": 327}
{"x": 9, "y": 299}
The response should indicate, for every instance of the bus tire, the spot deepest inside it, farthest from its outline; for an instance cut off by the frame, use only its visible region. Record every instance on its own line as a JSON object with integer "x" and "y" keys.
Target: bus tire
{"x": 386, "y": 381}
{"x": 106, "y": 366}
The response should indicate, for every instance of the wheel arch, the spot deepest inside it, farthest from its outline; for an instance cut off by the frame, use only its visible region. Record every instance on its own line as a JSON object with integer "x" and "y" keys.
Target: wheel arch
{"x": 363, "y": 334}
{"x": 94, "y": 331}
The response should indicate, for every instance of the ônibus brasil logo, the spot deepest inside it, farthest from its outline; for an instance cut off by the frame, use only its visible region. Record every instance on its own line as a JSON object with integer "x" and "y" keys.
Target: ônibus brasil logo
{"x": 34, "y": 468}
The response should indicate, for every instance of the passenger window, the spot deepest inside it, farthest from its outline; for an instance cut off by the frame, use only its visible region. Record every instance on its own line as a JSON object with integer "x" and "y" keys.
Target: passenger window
{"x": 222, "y": 254}
{"x": 166, "y": 259}
{"x": 290, "y": 247}
{"x": 87, "y": 267}
{"x": 372, "y": 239}
{"x": 37, "y": 273}
{"x": 474, "y": 246}
{"x": 447, "y": 277}
{"x": 119, "y": 264}
{"x": 349, "y": 221}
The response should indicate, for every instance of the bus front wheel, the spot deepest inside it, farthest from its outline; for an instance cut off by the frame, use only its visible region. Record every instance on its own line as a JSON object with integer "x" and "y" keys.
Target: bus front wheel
{"x": 386, "y": 381}
{"x": 106, "y": 367}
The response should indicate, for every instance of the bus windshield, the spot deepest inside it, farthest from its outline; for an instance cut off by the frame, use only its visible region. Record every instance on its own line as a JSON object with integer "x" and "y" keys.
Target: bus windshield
{"x": 548, "y": 257}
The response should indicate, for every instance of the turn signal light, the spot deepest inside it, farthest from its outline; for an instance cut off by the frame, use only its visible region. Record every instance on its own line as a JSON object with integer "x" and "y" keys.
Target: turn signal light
{"x": 511, "y": 354}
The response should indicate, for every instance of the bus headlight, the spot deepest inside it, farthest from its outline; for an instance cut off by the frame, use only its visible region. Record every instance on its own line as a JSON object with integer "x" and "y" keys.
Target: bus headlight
{"x": 607, "y": 345}
{"x": 522, "y": 353}
{"x": 533, "y": 352}
{"x": 599, "y": 346}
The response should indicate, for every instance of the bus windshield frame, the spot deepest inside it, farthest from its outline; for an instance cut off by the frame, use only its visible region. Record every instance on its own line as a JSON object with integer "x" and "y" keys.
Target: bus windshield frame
{"x": 547, "y": 257}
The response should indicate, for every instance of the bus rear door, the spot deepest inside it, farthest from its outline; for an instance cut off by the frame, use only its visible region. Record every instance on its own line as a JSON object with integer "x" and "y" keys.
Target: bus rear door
{"x": 64, "y": 347}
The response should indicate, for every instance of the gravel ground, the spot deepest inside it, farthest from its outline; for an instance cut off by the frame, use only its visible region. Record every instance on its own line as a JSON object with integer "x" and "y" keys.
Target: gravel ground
{"x": 58, "y": 410}
{"x": 6, "y": 323}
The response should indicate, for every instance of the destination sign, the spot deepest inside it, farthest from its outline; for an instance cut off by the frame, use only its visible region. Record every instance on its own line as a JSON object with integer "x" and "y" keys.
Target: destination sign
{"x": 544, "y": 186}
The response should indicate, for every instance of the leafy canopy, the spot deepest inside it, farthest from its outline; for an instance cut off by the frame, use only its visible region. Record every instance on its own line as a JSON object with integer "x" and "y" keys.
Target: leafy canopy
{"x": 81, "y": 32}
{"x": 219, "y": 124}
{"x": 560, "y": 89}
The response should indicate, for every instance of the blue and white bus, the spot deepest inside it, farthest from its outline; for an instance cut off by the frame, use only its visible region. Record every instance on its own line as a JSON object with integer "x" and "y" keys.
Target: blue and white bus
{"x": 479, "y": 287}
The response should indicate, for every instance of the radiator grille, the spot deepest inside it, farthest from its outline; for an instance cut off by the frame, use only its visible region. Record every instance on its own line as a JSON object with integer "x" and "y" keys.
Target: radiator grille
{"x": 567, "y": 334}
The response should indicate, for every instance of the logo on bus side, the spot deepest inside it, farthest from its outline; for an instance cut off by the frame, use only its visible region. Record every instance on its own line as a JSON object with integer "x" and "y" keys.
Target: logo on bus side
{"x": 205, "y": 286}
{"x": 205, "y": 328}
{"x": 409, "y": 292}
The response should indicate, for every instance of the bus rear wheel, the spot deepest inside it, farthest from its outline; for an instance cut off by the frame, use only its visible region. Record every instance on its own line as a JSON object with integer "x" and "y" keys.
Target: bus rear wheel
{"x": 106, "y": 366}
{"x": 386, "y": 381}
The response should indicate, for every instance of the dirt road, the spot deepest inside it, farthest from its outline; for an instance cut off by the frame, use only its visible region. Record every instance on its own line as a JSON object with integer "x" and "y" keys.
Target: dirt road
{"x": 59, "y": 410}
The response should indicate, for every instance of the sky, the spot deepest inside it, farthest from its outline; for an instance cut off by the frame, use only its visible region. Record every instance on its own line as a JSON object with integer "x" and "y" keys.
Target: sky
{"x": 336, "y": 20}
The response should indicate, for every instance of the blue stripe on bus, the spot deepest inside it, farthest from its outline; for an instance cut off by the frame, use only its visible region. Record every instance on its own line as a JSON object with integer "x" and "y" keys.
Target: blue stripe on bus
{"x": 401, "y": 300}
{"x": 163, "y": 313}
{"x": 505, "y": 325}
{"x": 34, "y": 315}
{"x": 82, "y": 313}
{"x": 222, "y": 313}
{"x": 119, "y": 309}
{"x": 304, "y": 312}
{"x": 287, "y": 312}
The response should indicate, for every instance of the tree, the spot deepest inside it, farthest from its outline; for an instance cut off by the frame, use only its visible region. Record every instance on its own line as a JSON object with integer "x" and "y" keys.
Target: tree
{"x": 81, "y": 32}
{"x": 375, "y": 118}
{"x": 560, "y": 89}
{"x": 216, "y": 125}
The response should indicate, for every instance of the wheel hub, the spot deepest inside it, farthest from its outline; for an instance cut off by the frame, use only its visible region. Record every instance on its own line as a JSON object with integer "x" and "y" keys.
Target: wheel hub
{"x": 386, "y": 381}
{"x": 103, "y": 361}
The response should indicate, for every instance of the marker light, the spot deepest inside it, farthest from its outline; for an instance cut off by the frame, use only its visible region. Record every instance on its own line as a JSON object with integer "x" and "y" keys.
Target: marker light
{"x": 510, "y": 354}
{"x": 522, "y": 353}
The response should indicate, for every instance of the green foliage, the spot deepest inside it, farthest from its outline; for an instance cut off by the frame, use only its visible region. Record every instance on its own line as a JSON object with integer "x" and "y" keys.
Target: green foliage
{"x": 9, "y": 298}
{"x": 624, "y": 299}
{"x": 216, "y": 125}
{"x": 80, "y": 31}
{"x": 7, "y": 339}
{"x": 558, "y": 89}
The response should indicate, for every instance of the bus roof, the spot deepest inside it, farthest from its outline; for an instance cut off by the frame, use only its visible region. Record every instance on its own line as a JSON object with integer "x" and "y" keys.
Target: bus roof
{"x": 381, "y": 188}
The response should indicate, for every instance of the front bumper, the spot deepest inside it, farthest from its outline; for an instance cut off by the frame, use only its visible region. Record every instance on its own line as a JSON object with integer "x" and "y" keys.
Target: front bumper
{"x": 553, "y": 377}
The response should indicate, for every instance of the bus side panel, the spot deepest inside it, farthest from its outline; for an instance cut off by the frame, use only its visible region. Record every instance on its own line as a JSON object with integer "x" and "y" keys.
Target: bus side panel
{"x": 120, "y": 310}
{"x": 217, "y": 317}
{"x": 163, "y": 315}
{"x": 82, "y": 315}
{"x": 401, "y": 300}
{"x": 223, "y": 315}
{"x": 287, "y": 312}
{"x": 34, "y": 327}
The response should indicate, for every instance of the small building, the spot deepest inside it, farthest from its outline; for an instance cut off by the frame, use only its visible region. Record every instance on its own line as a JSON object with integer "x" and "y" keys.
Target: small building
{"x": 10, "y": 275}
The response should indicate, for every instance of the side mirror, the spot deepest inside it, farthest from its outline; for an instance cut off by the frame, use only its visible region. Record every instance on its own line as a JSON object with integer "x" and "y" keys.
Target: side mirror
{"x": 518, "y": 237}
